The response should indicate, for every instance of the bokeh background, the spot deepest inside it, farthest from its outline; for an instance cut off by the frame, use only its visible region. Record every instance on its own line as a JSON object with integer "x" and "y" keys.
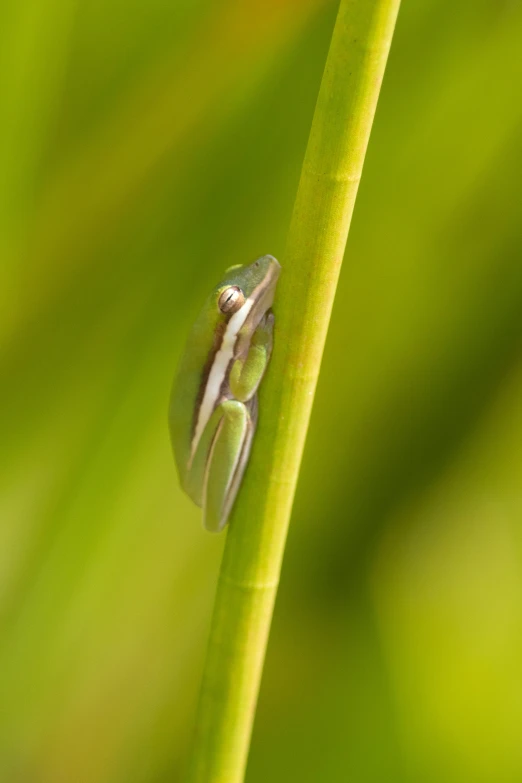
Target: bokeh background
{"x": 144, "y": 147}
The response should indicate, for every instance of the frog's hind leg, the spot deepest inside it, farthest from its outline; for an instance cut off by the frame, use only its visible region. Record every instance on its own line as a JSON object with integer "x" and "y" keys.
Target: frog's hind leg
{"x": 242, "y": 462}
{"x": 227, "y": 460}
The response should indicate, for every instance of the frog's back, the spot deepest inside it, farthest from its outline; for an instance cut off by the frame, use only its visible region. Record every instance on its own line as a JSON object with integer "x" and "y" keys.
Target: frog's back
{"x": 188, "y": 387}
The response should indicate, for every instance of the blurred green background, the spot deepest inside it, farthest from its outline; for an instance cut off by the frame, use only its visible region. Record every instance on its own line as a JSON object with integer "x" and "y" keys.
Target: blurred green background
{"x": 144, "y": 147}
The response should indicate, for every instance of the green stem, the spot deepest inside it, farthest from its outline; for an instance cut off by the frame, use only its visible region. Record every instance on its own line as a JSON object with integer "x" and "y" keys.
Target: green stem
{"x": 316, "y": 243}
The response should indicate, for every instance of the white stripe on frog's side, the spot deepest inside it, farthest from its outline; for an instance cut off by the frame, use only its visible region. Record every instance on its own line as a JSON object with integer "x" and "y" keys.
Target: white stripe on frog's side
{"x": 218, "y": 371}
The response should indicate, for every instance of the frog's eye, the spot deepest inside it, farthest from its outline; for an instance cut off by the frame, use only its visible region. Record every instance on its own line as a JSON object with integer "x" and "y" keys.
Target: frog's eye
{"x": 231, "y": 300}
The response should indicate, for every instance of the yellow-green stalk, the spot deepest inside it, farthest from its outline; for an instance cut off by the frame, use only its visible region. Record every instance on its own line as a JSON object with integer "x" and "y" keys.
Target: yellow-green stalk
{"x": 315, "y": 249}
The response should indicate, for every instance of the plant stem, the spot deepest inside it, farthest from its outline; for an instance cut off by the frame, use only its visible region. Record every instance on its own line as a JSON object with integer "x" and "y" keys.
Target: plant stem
{"x": 316, "y": 243}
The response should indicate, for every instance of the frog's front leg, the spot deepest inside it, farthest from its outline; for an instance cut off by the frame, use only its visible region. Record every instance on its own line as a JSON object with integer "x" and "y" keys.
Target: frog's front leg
{"x": 219, "y": 461}
{"x": 246, "y": 375}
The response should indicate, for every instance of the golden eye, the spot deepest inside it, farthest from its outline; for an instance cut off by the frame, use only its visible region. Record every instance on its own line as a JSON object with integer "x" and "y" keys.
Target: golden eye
{"x": 231, "y": 300}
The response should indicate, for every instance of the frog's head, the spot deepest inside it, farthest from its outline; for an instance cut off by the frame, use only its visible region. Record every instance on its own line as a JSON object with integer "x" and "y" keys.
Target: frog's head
{"x": 250, "y": 287}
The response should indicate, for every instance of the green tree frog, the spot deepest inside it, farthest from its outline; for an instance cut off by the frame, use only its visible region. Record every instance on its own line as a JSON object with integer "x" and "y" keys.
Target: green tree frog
{"x": 213, "y": 408}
